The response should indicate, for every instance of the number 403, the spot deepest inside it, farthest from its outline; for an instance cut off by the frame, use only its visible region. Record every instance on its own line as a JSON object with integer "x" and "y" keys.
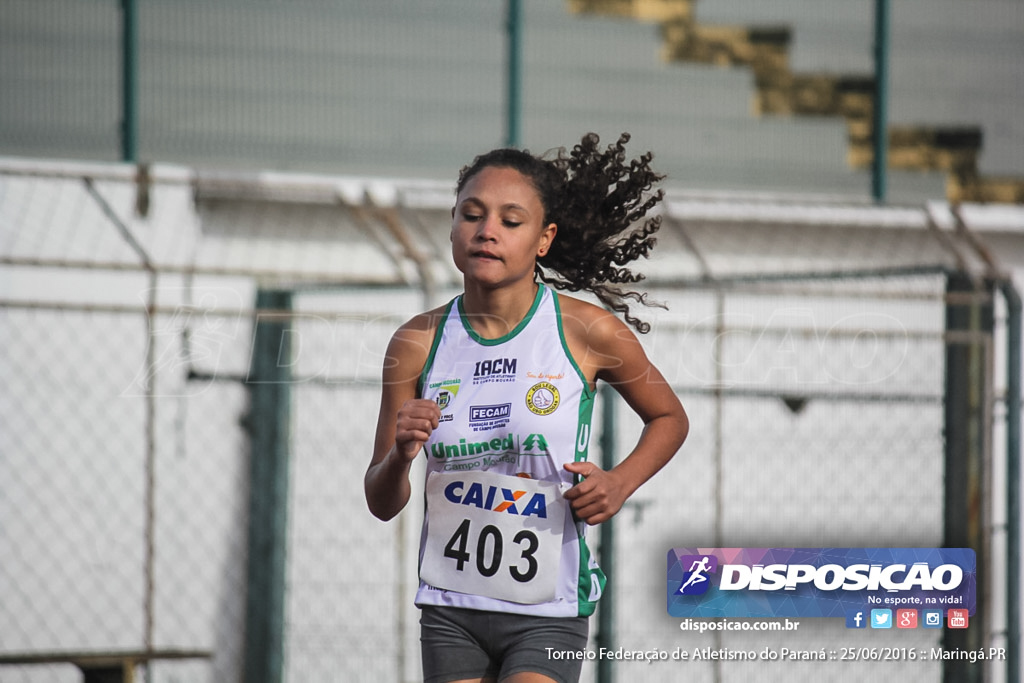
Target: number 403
{"x": 490, "y": 549}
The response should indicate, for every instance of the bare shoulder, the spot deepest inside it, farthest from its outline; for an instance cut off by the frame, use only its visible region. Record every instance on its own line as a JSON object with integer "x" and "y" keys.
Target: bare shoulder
{"x": 410, "y": 345}
{"x": 583, "y": 320}
{"x": 598, "y": 340}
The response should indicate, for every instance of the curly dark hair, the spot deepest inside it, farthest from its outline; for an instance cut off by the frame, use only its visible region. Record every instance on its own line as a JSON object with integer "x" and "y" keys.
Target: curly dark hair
{"x": 597, "y": 199}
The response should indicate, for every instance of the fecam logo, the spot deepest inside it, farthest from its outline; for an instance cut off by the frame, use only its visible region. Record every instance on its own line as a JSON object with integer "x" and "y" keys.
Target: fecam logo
{"x": 695, "y": 578}
{"x": 492, "y": 412}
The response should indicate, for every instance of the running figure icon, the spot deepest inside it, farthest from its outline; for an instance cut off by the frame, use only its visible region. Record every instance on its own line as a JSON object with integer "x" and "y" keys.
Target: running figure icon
{"x": 697, "y": 573}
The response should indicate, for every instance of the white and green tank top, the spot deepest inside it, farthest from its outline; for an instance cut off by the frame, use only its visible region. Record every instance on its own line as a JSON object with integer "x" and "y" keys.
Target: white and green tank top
{"x": 497, "y": 534}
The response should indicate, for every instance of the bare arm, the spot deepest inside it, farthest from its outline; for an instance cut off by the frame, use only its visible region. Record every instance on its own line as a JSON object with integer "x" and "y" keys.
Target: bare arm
{"x": 404, "y": 422}
{"x": 612, "y": 353}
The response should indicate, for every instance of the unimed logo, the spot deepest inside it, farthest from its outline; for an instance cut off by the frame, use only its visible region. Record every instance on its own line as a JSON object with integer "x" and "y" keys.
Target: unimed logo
{"x": 533, "y": 444}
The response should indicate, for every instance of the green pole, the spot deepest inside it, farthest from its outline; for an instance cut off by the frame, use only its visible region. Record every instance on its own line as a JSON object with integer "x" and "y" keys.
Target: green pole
{"x": 129, "y": 21}
{"x": 514, "y": 76}
{"x": 269, "y": 385}
{"x": 606, "y": 607}
{"x": 879, "y": 112}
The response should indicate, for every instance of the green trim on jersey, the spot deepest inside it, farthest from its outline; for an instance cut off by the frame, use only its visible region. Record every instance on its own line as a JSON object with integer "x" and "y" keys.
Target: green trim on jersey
{"x": 591, "y": 581}
{"x": 584, "y": 418}
{"x": 438, "y": 333}
{"x": 500, "y": 340}
{"x": 588, "y": 393}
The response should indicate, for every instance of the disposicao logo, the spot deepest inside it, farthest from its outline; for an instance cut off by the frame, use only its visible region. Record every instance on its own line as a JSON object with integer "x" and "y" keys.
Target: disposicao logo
{"x": 823, "y": 582}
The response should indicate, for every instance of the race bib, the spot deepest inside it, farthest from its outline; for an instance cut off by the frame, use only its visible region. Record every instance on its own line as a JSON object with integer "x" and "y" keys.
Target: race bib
{"x": 493, "y": 535}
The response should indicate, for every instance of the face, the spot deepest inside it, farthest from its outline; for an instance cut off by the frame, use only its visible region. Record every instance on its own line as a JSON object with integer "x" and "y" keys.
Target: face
{"x": 497, "y": 228}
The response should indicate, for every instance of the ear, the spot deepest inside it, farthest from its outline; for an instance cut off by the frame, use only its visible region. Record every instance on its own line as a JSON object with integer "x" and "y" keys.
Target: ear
{"x": 547, "y": 236}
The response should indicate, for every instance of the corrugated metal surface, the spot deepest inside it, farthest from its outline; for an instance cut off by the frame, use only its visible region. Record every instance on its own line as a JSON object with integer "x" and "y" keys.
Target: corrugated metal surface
{"x": 406, "y": 88}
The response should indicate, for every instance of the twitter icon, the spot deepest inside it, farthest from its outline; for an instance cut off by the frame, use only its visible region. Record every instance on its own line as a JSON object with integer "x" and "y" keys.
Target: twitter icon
{"x": 881, "y": 618}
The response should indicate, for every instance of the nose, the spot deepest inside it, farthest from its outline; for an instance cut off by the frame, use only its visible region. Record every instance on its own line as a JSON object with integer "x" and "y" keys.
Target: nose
{"x": 486, "y": 229}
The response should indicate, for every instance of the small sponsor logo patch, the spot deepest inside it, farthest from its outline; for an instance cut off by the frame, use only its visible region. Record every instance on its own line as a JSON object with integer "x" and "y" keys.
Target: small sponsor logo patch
{"x": 542, "y": 398}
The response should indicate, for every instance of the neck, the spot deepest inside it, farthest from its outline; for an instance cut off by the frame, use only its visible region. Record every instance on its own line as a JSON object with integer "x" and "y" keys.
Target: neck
{"x": 493, "y": 313}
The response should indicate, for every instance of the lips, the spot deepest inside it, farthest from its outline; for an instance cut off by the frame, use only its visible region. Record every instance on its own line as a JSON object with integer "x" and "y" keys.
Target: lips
{"x": 485, "y": 255}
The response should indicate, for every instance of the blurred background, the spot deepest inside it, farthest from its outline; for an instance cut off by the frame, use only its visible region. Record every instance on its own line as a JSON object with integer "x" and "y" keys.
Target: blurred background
{"x": 213, "y": 215}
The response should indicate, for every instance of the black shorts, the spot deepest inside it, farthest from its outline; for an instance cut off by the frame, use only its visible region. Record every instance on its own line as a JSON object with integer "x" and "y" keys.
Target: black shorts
{"x": 463, "y": 643}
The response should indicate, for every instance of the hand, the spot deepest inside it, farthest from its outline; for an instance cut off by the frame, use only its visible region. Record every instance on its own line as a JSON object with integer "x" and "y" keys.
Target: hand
{"x": 599, "y": 496}
{"x": 417, "y": 419}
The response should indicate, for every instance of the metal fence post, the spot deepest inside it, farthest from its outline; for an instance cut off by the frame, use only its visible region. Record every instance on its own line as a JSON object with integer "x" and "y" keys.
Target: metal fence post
{"x": 606, "y": 608}
{"x": 514, "y": 73}
{"x": 1013, "y": 511}
{"x": 129, "y": 78}
{"x": 268, "y": 423}
{"x": 880, "y": 104}
{"x": 966, "y": 393}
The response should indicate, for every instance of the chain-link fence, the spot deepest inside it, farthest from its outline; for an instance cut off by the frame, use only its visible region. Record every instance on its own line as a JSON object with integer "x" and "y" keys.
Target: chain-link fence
{"x": 820, "y": 422}
{"x": 807, "y": 340}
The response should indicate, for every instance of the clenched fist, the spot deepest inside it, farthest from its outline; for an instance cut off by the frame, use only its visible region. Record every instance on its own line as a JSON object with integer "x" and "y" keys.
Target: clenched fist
{"x": 417, "y": 419}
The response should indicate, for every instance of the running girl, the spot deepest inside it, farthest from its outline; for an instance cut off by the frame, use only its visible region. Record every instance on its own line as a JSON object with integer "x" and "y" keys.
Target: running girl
{"x": 496, "y": 388}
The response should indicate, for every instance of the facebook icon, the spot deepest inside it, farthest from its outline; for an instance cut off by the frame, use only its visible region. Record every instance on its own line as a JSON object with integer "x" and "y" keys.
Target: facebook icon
{"x": 856, "y": 619}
